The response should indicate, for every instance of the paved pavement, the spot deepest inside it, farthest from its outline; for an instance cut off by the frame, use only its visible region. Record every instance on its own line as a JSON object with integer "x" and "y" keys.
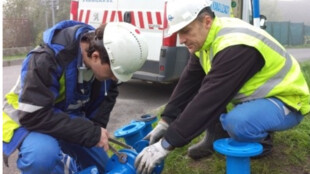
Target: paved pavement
{"x": 301, "y": 54}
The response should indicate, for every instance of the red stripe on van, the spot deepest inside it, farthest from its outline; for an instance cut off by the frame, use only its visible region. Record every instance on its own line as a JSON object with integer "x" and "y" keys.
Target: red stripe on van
{"x": 87, "y": 16}
{"x": 133, "y": 22}
{"x": 105, "y": 15}
{"x": 112, "y": 16}
{"x": 149, "y": 19}
{"x": 81, "y": 15}
{"x": 158, "y": 18}
{"x": 140, "y": 15}
{"x": 120, "y": 16}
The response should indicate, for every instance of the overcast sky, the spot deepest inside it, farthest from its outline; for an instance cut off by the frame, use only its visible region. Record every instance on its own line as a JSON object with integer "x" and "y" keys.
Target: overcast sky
{"x": 287, "y": 10}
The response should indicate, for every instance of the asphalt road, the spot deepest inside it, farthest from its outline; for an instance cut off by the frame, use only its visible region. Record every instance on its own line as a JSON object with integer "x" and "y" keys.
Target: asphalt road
{"x": 136, "y": 98}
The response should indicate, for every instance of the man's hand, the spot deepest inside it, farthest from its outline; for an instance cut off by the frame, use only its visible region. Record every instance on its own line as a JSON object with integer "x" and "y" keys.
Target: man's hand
{"x": 150, "y": 156}
{"x": 103, "y": 142}
{"x": 157, "y": 133}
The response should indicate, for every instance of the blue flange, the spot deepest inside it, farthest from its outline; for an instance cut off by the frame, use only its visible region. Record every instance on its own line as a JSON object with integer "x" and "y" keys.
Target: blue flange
{"x": 131, "y": 132}
{"x": 237, "y": 154}
{"x": 148, "y": 120}
{"x": 230, "y": 147}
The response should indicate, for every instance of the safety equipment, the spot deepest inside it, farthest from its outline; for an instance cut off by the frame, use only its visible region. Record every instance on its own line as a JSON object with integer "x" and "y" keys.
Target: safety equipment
{"x": 150, "y": 156}
{"x": 157, "y": 132}
{"x": 126, "y": 48}
{"x": 180, "y": 13}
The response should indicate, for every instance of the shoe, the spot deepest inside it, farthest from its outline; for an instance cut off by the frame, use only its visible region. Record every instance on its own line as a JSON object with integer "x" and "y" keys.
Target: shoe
{"x": 204, "y": 148}
{"x": 267, "y": 147}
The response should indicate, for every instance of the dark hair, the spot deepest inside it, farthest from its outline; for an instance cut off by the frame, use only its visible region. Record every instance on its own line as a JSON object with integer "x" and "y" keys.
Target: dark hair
{"x": 95, "y": 41}
{"x": 205, "y": 11}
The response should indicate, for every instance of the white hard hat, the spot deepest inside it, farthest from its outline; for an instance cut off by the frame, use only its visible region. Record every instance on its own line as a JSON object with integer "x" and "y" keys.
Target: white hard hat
{"x": 180, "y": 13}
{"x": 126, "y": 47}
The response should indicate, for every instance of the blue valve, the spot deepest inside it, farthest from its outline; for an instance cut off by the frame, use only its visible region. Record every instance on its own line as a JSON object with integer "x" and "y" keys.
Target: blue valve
{"x": 133, "y": 135}
{"x": 237, "y": 154}
{"x": 148, "y": 120}
{"x": 140, "y": 145}
{"x": 131, "y": 132}
{"x": 116, "y": 167}
{"x": 136, "y": 130}
{"x": 89, "y": 170}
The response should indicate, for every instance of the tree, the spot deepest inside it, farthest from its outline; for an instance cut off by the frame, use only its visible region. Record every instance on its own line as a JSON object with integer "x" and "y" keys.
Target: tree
{"x": 15, "y": 9}
{"x": 34, "y": 12}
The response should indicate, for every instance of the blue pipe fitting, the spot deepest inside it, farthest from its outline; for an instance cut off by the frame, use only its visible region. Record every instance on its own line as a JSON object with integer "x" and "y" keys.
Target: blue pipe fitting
{"x": 140, "y": 145}
{"x": 115, "y": 167}
{"x": 89, "y": 170}
{"x": 237, "y": 154}
{"x": 131, "y": 132}
{"x": 148, "y": 120}
{"x": 136, "y": 130}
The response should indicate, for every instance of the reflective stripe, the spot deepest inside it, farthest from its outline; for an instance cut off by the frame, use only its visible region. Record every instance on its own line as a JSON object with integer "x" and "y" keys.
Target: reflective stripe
{"x": 10, "y": 113}
{"x": 263, "y": 90}
{"x": 28, "y": 107}
{"x": 10, "y": 103}
{"x": 13, "y": 113}
{"x": 201, "y": 58}
{"x": 211, "y": 54}
{"x": 79, "y": 104}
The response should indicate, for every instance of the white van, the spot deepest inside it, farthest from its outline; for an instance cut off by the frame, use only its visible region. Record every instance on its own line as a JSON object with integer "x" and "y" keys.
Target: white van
{"x": 167, "y": 58}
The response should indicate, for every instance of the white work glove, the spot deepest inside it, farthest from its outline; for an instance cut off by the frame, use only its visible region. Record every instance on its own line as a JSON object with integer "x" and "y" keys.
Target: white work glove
{"x": 150, "y": 156}
{"x": 157, "y": 133}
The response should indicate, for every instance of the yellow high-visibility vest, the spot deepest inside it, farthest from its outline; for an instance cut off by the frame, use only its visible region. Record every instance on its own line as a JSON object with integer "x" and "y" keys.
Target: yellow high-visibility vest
{"x": 281, "y": 76}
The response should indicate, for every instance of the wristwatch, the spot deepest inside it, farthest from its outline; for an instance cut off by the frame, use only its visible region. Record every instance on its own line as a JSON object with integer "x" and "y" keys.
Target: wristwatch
{"x": 166, "y": 145}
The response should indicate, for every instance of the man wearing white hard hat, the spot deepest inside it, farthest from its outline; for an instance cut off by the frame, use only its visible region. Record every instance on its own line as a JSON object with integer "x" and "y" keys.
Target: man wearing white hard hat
{"x": 239, "y": 81}
{"x": 60, "y": 106}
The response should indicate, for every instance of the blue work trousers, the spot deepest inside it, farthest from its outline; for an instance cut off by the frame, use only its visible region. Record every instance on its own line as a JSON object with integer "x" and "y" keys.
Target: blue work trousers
{"x": 252, "y": 121}
{"x": 42, "y": 154}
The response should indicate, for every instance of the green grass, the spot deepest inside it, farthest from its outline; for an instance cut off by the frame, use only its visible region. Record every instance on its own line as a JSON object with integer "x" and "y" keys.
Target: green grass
{"x": 291, "y": 154}
{"x": 21, "y": 56}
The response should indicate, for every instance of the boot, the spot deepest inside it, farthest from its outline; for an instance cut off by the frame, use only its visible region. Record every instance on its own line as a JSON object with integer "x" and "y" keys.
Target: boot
{"x": 204, "y": 148}
{"x": 267, "y": 147}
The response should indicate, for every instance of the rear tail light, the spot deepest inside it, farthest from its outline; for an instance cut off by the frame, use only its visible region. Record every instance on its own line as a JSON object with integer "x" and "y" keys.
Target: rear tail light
{"x": 169, "y": 41}
{"x": 74, "y": 10}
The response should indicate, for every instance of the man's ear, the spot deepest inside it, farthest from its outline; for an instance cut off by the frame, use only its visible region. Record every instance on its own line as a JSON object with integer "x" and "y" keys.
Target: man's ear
{"x": 95, "y": 56}
{"x": 208, "y": 21}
